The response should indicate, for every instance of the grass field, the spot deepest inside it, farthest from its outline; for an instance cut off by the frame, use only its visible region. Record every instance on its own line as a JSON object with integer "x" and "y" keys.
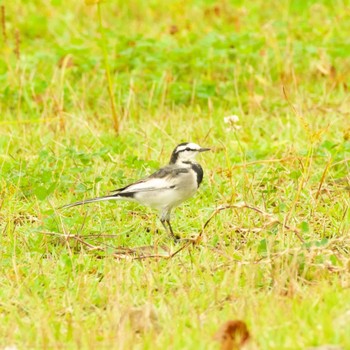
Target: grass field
{"x": 277, "y": 259}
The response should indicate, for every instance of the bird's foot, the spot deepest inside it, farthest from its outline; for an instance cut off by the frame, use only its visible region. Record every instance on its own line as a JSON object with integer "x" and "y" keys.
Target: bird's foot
{"x": 176, "y": 238}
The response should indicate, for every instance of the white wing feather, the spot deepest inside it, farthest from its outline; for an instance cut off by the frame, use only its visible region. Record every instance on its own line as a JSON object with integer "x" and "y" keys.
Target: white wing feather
{"x": 150, "y": 185}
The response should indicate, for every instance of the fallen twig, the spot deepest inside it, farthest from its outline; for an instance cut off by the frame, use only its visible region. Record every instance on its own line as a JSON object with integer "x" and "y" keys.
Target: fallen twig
{"x": 151, "y": 252}
{"x": 272, "y": 220}
{"x": 123, "y": 252}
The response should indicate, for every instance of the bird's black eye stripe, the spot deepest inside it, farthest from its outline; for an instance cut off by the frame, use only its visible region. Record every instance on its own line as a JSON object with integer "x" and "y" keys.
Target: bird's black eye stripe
{"x": 186, "y": 149}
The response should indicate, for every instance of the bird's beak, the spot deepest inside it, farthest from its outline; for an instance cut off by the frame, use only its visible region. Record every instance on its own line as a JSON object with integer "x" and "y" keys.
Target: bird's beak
{"x": 204, "y": 149}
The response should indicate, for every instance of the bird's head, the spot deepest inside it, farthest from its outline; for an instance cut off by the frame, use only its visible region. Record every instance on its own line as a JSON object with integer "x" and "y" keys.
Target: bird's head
{"x": 186, "y": 152}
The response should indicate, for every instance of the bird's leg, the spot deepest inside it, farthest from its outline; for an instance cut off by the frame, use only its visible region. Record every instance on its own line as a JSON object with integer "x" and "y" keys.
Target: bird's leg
{"x": 165, "y": 219}
{"x": 175, "y": 237}
{"x": 168, "y": 229}
{"x": 163, "y": 223}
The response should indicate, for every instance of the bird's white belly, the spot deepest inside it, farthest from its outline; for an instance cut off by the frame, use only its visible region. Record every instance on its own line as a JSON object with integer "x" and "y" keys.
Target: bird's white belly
{"x": 166, "y": 198}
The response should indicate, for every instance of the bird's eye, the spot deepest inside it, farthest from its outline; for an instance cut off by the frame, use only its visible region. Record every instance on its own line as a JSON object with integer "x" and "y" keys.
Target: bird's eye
{"x": 188, "y": 149}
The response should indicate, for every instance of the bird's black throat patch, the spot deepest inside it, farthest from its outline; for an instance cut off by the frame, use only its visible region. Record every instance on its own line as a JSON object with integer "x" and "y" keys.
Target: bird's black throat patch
{"x": 199, "y": 172}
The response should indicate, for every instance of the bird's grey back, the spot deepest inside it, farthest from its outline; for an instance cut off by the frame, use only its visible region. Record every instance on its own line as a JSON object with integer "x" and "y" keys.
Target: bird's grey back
{"x": 169, "y": 171}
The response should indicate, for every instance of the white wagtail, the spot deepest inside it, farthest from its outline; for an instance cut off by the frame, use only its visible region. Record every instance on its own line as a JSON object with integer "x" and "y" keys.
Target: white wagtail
{"x": 166, "y": 188}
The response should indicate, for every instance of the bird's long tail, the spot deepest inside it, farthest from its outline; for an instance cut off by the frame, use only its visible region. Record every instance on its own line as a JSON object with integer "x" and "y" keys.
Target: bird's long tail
{"x": 92, "y": 200}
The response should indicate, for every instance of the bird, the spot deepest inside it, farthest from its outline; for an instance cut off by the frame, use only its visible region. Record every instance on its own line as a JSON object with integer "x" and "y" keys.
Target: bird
{"x": 166, "y": 188}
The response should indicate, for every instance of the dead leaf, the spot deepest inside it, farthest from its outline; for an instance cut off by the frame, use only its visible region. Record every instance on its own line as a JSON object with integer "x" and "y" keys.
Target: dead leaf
{"x": 173, "y": 29}
{"x": 333, "y": 72}
{"x": 233, "y": 335}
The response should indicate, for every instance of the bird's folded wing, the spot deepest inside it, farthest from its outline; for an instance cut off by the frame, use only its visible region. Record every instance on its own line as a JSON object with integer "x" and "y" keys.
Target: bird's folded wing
{"x": 164, "y": 179}
{"x": 149, "y": 185}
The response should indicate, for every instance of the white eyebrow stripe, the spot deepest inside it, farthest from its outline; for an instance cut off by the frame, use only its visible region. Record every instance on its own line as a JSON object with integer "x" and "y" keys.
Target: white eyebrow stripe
{"x": 192, "y": 146}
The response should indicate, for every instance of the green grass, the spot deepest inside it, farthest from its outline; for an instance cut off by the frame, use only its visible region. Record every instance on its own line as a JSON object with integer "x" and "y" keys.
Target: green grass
{"x": 177, "y": 69}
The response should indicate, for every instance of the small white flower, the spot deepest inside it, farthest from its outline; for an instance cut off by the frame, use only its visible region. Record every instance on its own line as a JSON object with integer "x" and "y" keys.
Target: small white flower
{"x": 232, "y": 120}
